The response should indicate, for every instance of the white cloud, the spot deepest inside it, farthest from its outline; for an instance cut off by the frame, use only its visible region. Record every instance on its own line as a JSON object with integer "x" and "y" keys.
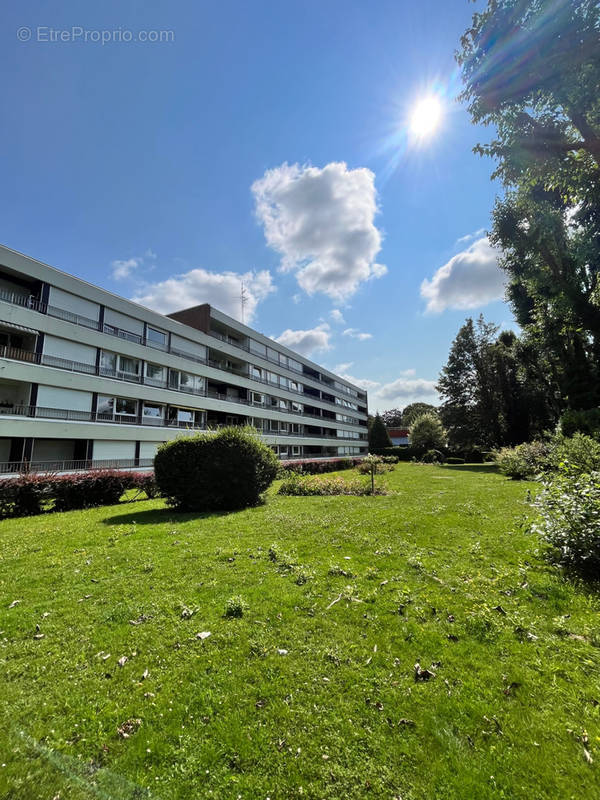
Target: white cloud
{"x": 472, "y": 278}
{"x": 337, "y": 316}
{"x": 397, "y": 393}
{"x": 471, "y": 236}
{"x": 306, "y": 342}
{"x": 321, "y": 221}
{"x": 122, "y": 268}
{"x": 354, "y": 333}
{"x": 339, "y": 369}
{"x": 221, "y": 289}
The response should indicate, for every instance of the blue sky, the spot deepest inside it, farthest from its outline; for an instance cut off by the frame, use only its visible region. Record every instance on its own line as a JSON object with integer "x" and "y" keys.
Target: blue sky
{"x": 265, "y": 140}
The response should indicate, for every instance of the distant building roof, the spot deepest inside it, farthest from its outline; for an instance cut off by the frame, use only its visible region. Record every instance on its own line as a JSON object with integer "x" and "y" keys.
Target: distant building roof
{"x": 398, "y": 433}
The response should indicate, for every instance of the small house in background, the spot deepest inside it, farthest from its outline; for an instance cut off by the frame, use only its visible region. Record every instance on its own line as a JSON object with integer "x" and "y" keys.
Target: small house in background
{"x": 399, "y": 436}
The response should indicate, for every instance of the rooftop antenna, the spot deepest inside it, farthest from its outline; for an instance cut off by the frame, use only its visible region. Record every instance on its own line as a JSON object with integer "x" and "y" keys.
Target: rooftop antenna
{"x": 243, "y": 299}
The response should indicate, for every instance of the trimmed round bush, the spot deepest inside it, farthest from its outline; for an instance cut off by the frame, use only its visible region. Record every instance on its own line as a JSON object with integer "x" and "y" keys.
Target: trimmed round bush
{"x": 225, "y": 470}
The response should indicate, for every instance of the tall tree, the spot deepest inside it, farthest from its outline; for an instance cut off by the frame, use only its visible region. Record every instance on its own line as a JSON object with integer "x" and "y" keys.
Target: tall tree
{"x": 392, "y": 418}
{"x": 378, "y": 435}
{"x": 492, "y": 394}
{"x": 532, "y": 70}
{"x": 414, "y": 410}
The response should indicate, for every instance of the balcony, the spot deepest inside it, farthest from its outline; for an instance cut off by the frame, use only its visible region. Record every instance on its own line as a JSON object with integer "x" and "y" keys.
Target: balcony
{"x": 32, "y": 303}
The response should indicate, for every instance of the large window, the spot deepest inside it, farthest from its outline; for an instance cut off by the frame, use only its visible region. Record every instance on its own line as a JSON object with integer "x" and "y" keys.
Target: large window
{"x": 153, "y": 411}
{"x": 186, "y": 382}
{"x": 259, "y": 349}
{"x": 256, "y": 372}
{"x": 114, "y": 364}
{"x": 111, "y": 407}
{"x": 156, "y": 373}
{"x": 156, "y": 338}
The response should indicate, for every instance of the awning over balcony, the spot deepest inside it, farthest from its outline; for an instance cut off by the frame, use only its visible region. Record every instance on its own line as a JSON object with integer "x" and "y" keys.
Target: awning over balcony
{"x": 14, "y": 327}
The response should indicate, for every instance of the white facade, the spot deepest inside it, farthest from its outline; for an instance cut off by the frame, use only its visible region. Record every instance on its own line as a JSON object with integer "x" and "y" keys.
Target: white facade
{"x": 89, "y": 379}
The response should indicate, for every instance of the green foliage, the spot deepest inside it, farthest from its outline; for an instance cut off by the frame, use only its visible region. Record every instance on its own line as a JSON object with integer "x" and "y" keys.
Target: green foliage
{"x": 392, "y": 418}
{"x": 581, "y": 421}
{"x": 24, "y": 495}
{"x": 235, "y": 607}
{"x": 523, "y": 461}
{"x": 493, "y": 393}
{"x": 569, "y": 508}
{"x": 215, "y": 471}
{"x": 546, "y": 119}
{"x": 427, "y": 432}
{"x": 433, "y": 456}
{"x": 580, "y": 452}
{"x": 316, "y": 486}
{"x": 88, "y": 489}
{"x": 414, "y": 410}
{"x": 378, "y": 435}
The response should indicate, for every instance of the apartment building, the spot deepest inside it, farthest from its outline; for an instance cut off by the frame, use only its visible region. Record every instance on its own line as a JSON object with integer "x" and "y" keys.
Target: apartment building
{"x": 89, "y": 379}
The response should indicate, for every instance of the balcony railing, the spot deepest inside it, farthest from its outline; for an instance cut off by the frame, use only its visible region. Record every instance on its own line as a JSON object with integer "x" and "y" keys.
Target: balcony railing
{"x": 47, "y": 360}
{"x": 71, "y": 465}
{"x": 73, "y": 415}
{"x": 34, "y": 304}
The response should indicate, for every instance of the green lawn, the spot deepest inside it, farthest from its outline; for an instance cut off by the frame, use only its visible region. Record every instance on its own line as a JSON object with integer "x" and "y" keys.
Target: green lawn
{"x": 301, "y": 697}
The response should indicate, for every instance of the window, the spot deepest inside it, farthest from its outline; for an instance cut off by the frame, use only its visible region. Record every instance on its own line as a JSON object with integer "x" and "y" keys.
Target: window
{"x": 259, "y": 349}
{"x": 294, "y": 386}
{"x": 294, "y": 365}
{"x": 106, "y": 406}
{"x": 273, "y": 378}
{"x": 156, "y": 337}
{"x": 283, "y": 382}
{"x": 109, "y": 407}
{"x": 295, "y": 428}
{"x": 283, "y": 360}
{"x": 272, "y": 355}
{"x": 108, "y": 361}
{"x": 258, "y": 399}
{"x": 295, "y": 450}
{"x": 273, "y": 425}
{"x": 186, "y": 382}
{"x": 126, "y": 407}
{"x": 297, "y": 407}
{"x": 255, "y": 372}
{"x": 151, "y": 410}
{"x": 284, "y": 427}
{"x": 283, "y": 405}
{"x": 131, "y": 366}
{"x": 155, "y": 372}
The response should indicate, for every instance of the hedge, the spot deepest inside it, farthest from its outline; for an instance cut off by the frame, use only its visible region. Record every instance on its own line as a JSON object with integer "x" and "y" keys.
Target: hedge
{"x": 318, "y": 466}
{"x": 32, "y": 493}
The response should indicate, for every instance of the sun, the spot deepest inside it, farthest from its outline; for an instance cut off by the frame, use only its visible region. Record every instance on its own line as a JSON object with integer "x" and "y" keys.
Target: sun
{"x": 425, "y": 117}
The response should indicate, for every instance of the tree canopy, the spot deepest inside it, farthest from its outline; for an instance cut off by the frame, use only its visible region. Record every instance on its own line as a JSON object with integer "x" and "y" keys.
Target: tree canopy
{"x": 532, "y": 70}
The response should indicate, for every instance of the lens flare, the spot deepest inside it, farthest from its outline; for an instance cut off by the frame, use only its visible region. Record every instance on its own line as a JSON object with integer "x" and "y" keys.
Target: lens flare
{"x": 425, "y": 117}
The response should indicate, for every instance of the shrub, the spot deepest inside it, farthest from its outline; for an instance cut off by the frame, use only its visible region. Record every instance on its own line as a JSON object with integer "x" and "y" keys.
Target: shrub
{"x": 433, "y": 457}
{"x": 235, "y": 607}
{"x": 523, "y": 461}
{"x": 316, "y": 466}
{"x": 455, "y": 460}
{"x": 24, "y": 495}
{"x": 88, "y": 489}
{"x": 587, "y": 422}
{"x": 315, "y": 486}
{"x": 427, "y": 432}
{"x": 390, "y": 459}
{"x": 401, "y": 453}
{"x": 569, "y": 508}
{"x": 144, "y": 482}
{"x": 581, "y": 452}
{"x": 226, "y": 470}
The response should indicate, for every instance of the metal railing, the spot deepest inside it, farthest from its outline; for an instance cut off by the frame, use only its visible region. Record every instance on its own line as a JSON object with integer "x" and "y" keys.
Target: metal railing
{"x": 72, "y": 465}
{"x": 73, "y": 415}
{"x": 34, "y": 304}
{"x": 44, "y": 359}
{"x": 31, "y": 302}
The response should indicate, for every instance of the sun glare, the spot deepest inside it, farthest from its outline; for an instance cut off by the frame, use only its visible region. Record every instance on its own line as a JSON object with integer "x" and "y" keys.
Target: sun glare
{"x": 425, "y": 117}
